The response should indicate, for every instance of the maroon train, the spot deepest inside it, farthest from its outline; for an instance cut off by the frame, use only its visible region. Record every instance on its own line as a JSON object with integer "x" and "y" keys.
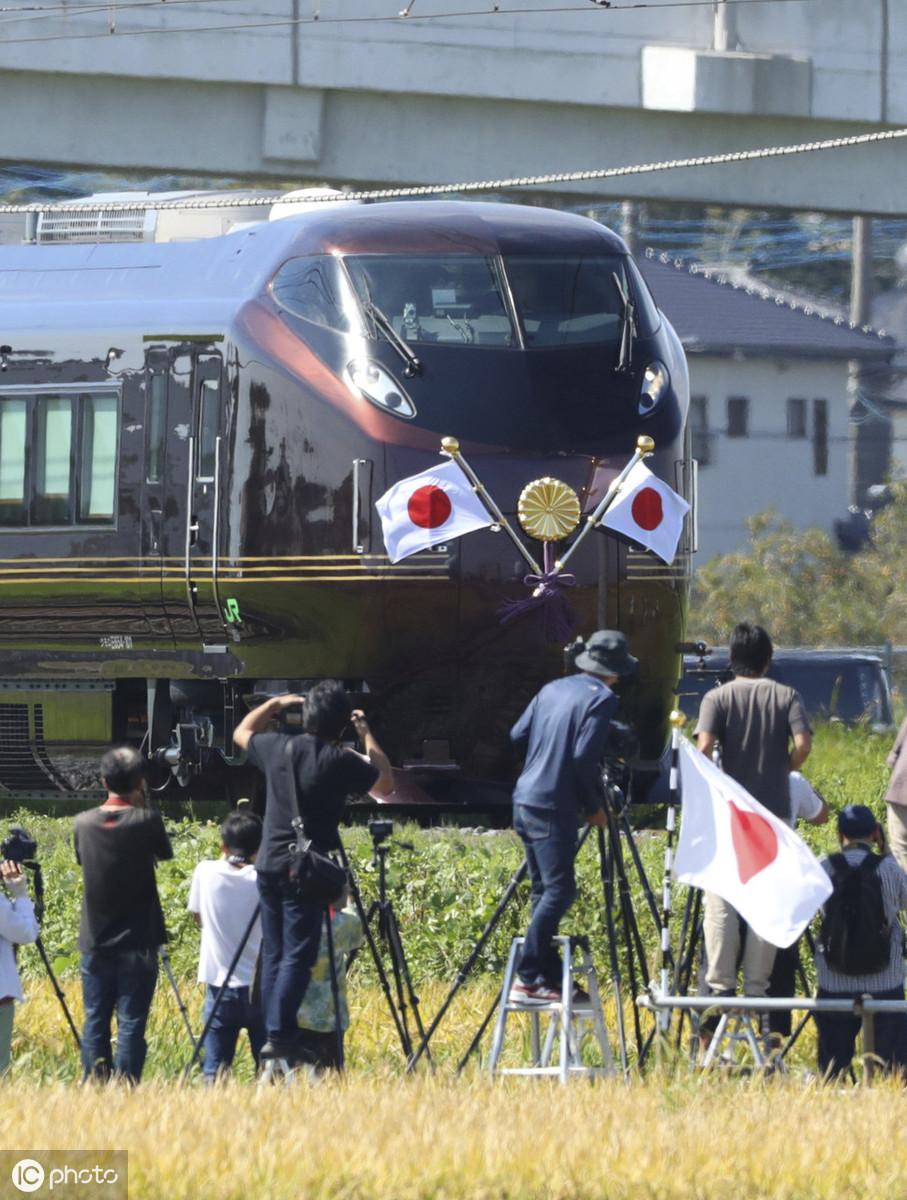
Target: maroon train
{"x": 193, "y": 435}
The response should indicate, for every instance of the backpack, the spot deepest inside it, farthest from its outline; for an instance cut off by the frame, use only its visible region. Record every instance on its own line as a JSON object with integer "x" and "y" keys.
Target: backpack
{"x": 855, "y": 936}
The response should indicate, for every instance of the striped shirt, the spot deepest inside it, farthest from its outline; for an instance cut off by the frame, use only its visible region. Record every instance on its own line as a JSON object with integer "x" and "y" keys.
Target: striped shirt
{"x": 894, "y": 900}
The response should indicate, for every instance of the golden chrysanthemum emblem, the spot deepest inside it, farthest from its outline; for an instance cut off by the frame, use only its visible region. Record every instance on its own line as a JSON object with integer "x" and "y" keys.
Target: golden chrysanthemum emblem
{"x": 548, "y": 509}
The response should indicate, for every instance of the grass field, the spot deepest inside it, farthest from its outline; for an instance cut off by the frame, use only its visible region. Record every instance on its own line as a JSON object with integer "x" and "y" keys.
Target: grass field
{"x": 378, "y": 1133}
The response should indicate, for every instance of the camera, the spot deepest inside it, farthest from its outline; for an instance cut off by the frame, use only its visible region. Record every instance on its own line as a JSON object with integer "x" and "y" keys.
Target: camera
{"x": 19, "y": 847}
{"x": 380, "y": 830}
{"x": 623, "y": 741}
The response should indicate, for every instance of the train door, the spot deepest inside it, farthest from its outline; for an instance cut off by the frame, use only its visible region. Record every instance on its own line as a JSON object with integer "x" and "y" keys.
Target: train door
{"x": 188, "y": 498}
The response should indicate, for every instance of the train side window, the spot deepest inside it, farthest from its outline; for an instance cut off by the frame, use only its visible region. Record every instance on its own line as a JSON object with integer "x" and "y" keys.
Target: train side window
{"x": 52, "y": 500}
{"x": 311, "y": 288}
{"x": 157, "y": 423}
{"x": 13, "y": 437}
{"x": 97, "y": 481}
{"x": 208, "y": 422}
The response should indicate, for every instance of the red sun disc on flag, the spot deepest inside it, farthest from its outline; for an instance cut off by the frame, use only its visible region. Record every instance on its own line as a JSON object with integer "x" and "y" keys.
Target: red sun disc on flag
{"x": 429, "y": 507}
{"x": 755, "y": 842}
{"x": 647, "y": 509}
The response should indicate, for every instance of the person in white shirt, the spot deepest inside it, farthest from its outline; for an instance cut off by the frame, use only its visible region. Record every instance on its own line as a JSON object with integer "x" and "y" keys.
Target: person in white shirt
{"x": 806, "y": 804}
{"x": 18, "y": 926}
{"x": 224, "y": 898}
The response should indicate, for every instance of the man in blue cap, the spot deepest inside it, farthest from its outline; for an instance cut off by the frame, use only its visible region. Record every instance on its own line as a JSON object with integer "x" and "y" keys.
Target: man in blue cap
{"x": 564, "y": 732}
{"x": 861, "y": 944}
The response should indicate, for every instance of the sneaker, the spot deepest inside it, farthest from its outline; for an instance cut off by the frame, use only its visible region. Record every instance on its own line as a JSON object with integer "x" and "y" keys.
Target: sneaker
{"x": 533, "y": 993}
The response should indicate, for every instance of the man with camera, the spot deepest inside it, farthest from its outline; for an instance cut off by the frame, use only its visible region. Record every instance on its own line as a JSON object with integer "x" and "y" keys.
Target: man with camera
{"x": 122, "y": 925}
{"x": 18, "y": 926}
{"x": 565, "y": 733}
{"x": 314, "y": 773}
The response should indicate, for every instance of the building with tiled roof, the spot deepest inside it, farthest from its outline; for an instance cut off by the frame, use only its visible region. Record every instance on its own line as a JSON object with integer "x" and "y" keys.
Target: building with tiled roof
{"x": 769, "y": 412}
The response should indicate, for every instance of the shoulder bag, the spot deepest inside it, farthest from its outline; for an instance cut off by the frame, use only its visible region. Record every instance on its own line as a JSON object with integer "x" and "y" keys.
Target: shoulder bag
{"x": 314, "y": 876}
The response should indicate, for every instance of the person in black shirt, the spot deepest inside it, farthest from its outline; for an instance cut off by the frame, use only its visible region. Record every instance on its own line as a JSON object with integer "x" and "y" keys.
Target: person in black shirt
{"x": 325, "y": 774}
{"x": 122, "y": 925}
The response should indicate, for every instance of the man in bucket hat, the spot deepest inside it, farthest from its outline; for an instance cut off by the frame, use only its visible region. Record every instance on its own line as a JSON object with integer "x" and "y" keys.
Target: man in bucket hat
{"x": 564, "y": 733}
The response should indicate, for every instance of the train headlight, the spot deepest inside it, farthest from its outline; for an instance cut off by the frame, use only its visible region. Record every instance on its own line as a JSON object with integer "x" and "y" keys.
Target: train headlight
{"x": 655, "y": 383}
{"x": 379, "y": 386}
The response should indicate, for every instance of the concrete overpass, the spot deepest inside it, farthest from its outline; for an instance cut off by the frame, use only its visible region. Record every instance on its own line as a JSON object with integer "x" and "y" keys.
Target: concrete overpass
{"x": 260, "y": 88}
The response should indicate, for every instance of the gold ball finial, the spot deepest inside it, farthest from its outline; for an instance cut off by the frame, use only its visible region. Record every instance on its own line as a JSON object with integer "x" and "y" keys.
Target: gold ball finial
{"x": 677, "y": 719}
{"x": 645, "y": 443}
{"x": 450, "y": 445}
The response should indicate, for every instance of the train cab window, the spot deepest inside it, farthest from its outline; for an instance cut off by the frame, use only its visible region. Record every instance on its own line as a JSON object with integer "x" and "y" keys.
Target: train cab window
{"x": 98, "y": 458}
{"x": 58, "y": 458}
{"x": 208, "y": 423}
{"x": 51, "y": 502}
{"x": 567, "y": 301}
{"x": 457, "y": 300}
{"x": 312, "y": 288}
{"x": 13, "y": 426}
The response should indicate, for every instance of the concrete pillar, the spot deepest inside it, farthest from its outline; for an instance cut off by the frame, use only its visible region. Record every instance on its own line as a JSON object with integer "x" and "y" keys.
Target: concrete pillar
{"x": 724, "y": 36}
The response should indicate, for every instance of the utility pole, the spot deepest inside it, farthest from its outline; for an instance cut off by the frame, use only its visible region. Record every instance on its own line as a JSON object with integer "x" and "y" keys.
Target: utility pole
{"x": 629, "y": 225}
{"x": 870, "y": 434}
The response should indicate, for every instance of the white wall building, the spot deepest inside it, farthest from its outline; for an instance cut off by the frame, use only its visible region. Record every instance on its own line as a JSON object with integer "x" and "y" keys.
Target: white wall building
{"x": 769, "y": 407}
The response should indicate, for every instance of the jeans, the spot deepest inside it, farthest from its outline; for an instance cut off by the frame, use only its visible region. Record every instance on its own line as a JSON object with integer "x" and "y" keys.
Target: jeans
{"x": 838, "y": 1034}
{"x": 550, "y": 844}
{"x": 290, "y": 933}
{"x": 235, "y": 1012}
{"x": 122, "y": 981}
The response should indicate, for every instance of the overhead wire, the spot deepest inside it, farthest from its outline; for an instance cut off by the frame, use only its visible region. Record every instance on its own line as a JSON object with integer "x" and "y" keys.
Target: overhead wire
{"x": 391, "y": 18}
{"x": 489, "y": 185}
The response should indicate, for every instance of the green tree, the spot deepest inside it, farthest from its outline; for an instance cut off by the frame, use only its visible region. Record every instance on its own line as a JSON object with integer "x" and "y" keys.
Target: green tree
{"x": 806, "y": 591}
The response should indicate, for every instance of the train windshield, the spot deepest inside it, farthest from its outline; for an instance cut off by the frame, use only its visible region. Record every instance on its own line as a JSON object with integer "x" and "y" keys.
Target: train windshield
{"x": 458, "y": 300}
{"x": 519, "y": 302}
{"x": 569, "y": 300}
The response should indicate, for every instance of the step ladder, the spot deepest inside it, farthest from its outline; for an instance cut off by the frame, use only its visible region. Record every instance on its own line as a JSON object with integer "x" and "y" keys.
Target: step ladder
{"x": 736, "y": 1031}
{"x": 569, "y": 1026}
{"x": 281, "y": 1070}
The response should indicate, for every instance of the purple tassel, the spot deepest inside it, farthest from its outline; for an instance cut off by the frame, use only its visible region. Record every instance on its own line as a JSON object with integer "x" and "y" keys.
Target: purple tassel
{"x": 548, "y": 594}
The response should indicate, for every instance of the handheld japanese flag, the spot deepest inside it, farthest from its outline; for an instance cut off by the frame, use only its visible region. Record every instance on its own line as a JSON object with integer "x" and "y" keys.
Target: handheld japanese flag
{"x": 732, "y": 845}
{"x": 431, "y": 507}
{"x": 648, "y": 511}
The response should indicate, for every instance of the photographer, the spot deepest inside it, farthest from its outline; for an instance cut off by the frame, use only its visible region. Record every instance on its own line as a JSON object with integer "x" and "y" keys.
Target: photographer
{"x": 324, "y": 773}
{"x": 17, "y": 927}
{"x": 565, "y": 733}
{"x": 122, "y": 926}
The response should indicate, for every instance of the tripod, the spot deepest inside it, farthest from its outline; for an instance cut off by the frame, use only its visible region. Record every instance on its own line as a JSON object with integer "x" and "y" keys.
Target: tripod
{"x": 35, "y": 869}
{"x": 402, "y": 1000}
{"x": 181, "y": 1005}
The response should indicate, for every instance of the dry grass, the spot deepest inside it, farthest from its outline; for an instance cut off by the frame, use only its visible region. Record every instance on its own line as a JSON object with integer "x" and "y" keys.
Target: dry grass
{"x": 377, "y": 1133}
{"x": 433, "y": 1139}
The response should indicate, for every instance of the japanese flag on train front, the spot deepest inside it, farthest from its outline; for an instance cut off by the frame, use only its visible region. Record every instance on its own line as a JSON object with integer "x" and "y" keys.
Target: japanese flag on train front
{"x": 731, "y": 845}
{"x": 426, "y": 509}
{"x": 648, "y": 511}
